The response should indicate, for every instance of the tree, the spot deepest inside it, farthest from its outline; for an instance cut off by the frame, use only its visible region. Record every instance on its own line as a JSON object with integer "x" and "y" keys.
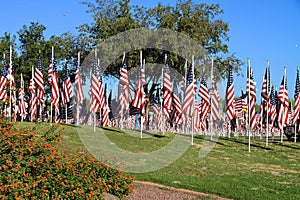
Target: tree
{"x": 201, "y": 22}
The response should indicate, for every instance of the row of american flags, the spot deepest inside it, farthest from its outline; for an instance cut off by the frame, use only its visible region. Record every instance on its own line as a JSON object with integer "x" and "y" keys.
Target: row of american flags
{"x": 169, "y": 111}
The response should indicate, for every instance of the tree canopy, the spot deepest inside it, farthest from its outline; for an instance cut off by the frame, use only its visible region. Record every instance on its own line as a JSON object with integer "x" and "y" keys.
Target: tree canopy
{"x": 201, "y": 22}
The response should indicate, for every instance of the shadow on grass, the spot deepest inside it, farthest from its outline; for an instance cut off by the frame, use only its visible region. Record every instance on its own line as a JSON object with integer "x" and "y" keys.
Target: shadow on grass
{"x": 71, "y": 125}
{"x": 111, "y": 129}
{"x": 284, "y": 145}
{"x": 145, "y": 132}
{"x": 245, "y": 143}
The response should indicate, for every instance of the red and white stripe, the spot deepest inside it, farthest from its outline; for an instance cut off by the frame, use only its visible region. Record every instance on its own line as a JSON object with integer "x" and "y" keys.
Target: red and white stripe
{"x": 78, "y": 87}
{"x": 205, "y": 103}
{"x": 230, "y": 96}
{"x": 125, "y": 96}
{"x": 178, "y": 110}
{"x": 189, "y": 92}
{"x": 105, "y": 121}
{"x": 55, "y": 92}
{"x": 3, "y": 84}
{"x": 33, "y": 103}
{"x": 139, "y": 100}
{"x": 38, "y": 78}
{"x": 284, "y": 104}
{"x": 67, "y": 90}
{"x": 252, "y": 100}
{"x": 50, "y": 73}
{"x": 167, "y": 94}
{"x": 95, "y": 94}
{"x": 297, "y": 99}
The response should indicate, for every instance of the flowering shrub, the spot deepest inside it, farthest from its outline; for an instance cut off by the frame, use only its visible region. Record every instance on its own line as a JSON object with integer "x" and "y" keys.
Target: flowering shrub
{"x": 31, "y": 167}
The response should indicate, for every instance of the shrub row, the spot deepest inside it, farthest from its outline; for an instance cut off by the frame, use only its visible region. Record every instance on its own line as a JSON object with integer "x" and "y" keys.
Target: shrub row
{"x": 31, "y": 167}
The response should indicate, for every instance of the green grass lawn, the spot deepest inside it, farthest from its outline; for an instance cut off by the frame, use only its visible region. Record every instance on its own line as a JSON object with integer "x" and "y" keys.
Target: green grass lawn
{"x": 228, "y": 170}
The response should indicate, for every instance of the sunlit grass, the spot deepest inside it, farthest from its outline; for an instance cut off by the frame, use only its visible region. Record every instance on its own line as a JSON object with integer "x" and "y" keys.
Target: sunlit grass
{"x": 228, "y": 170}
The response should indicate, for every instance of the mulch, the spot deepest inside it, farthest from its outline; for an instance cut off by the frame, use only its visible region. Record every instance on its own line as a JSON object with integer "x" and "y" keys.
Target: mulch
{"x": 153, "y": 191}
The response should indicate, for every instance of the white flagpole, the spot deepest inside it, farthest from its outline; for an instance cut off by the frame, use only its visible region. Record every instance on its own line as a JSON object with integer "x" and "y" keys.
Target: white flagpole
{"x": 101, "y": 110}
{"x": 211, "y": 87}
{"x": 185, "y": 79}
{"x": 161, "y": 102}
{"x": 22, "y": 86}
{"x": 10, "y": 82}
{"x": 292, "y": 113}
{"x": 66, "y": 106}
{"x": 95, "y": 51}
{"x": 121, "y": 117}
{"x": 193, "y": 105}
{"x": 284, "y": 79}
{"x": 32, "y": 77}
{"x": 40, "y": 111}
{"x": 77, "y": 107}
{"x": 267, "y": 123}
{"x": 248, "y": 88}
{"x": 52, "y": 63}
{"x": 141, "y": 88}
{"x": 5, "y": 107}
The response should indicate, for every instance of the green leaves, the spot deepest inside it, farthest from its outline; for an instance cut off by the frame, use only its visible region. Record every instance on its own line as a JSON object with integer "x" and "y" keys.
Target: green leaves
{"x": 201, "y": 22}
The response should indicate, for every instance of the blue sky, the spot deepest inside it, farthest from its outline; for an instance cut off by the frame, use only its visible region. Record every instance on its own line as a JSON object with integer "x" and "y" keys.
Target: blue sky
{"x": 259, "y": 29}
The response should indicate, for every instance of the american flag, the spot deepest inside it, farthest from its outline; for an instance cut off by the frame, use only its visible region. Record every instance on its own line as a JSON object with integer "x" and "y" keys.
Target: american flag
{"x": 33, "y": 103}
{"x": 11, "y": 78}
{"x": 198, "y": 121}
{"x": 139, "y": 100}
{"x": 189, "y": 92}
{"x": 241, "y": 105}
{"x": 95, "y": 89}
{"x": 122, "y": 100}
{"x": 55, "y": 90}
{"x": 50, "y": 73}
{"x": 265, "y": 94}
{"x": 167, "y": 90}
{"x": 204, "y": 95}
{"x": 297, "y": 99}
{"x": 252, "y": 100}
{"x": 175, "y": 114}
{"x": 21, "y": 103}
{"x": 215, "y": 99}
{"x": 177, "y": 107}
{"x": 266, "y": 84}
{"x": 230, "y": 96}
{"x": 67, "y": 86}
{"x": 78, "y": 87}
{"x": 105, "y": 118}
{"x": 3, "y": 81}
{"x": 272, "y": 106}
{"x": 39, "y": 80}
{"x": 284, "y": 103}
{"x": 101, "y": 88}
{"x": 125, "y": 95}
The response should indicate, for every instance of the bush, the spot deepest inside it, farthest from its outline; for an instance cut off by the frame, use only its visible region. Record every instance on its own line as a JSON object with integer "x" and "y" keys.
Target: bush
{"x": 31, "y": 167}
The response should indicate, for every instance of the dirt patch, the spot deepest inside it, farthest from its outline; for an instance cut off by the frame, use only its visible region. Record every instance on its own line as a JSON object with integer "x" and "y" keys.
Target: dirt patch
{"x": 154, "y": 191}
